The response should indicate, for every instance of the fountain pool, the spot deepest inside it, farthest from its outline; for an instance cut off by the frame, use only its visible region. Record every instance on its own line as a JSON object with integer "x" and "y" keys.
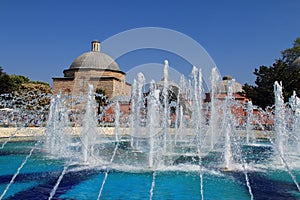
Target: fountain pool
{"x": 41, "y": 172}
{"x": 209, "y": 152}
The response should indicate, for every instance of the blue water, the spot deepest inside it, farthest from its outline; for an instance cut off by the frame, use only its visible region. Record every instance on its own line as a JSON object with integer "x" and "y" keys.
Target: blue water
{"x": 39, "y": 175}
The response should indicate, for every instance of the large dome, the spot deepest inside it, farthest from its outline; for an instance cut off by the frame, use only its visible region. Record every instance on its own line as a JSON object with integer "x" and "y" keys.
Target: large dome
{"x": 95, "y": 59}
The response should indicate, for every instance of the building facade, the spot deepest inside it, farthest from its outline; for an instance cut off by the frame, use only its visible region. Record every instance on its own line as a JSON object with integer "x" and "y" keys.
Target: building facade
{"x": 95, "y": 68}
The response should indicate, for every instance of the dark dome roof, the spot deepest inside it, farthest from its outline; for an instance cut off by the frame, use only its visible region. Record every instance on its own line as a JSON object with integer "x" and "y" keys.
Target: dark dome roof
{"x": 94, "y": 60}
{"x": 227, "y": 78}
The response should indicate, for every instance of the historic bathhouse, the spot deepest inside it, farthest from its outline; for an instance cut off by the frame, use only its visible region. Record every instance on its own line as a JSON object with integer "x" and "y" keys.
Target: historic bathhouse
{"x": 94, "y": 68}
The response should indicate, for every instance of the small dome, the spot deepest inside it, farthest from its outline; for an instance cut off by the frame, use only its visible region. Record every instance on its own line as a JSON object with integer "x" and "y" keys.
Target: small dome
{"x": 296, "y": 63}
{"x": 223, "y": 86}
{"x": 95, "y": 59}
{"x": 227, "y": 78}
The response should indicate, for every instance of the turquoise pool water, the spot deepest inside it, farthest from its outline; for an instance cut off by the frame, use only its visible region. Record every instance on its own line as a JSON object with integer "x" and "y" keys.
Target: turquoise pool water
{"x": 40, "y": 173}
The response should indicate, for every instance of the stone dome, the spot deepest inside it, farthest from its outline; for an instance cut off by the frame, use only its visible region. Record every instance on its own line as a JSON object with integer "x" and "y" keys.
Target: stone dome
{"x": 95, "y": 59}
{"x": 222, "y": 86}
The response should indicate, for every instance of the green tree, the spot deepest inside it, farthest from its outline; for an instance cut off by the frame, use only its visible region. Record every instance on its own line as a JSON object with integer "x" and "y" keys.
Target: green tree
{"x": 5, "y": 82}
{"x": 101, "y": 99}
{"x": 262, "y": 93}
{"x": 35, "y": 94}
{"x": 18, "y": 80}
{"x": 34, "y": 88}
{"x": 290, "y": 54}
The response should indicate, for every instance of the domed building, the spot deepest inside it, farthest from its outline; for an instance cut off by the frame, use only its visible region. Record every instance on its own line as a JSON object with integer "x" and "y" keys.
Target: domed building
{"x": 223, "y": 86}
{"x": 222, "y": 89}
{"x": 237, "y": 93}
{"x": 95, "y": 68}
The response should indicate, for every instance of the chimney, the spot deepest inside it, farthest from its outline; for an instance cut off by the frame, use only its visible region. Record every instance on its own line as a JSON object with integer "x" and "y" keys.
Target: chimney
{"x": 95, "y": 46}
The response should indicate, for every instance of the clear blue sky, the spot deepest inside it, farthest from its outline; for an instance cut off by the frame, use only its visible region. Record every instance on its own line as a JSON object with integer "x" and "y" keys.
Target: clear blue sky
{"x": 40, "y": 38}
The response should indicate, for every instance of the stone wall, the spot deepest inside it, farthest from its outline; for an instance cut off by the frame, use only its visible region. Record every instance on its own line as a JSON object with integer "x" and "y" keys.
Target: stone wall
{"x": 107, "y": 86}
{"x": 112, "y": 82}
{"x": 121, "y": 88}
{"x": 65, "y": 85}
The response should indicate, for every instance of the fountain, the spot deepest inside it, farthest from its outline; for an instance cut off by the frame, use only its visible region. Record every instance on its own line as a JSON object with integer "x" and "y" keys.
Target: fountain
{"x": 172, "y": 145}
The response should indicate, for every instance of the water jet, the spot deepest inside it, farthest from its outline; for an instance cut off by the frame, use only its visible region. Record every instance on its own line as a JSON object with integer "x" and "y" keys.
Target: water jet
{"x": 207, "y": 151}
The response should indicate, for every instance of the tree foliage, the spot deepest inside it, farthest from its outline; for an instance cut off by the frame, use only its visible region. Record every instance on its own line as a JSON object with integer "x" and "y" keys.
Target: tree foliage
{"x": 5, "y": 82}
{"x": 101, "y": 99}
{"x": 289, "y": 55}
{"x": 34, "y": 88}
{"x": 17, "y": 81}
{"x": 36, "y": 93}
{"x": 24, "y": 92}
{"x": 262, "y": 93}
